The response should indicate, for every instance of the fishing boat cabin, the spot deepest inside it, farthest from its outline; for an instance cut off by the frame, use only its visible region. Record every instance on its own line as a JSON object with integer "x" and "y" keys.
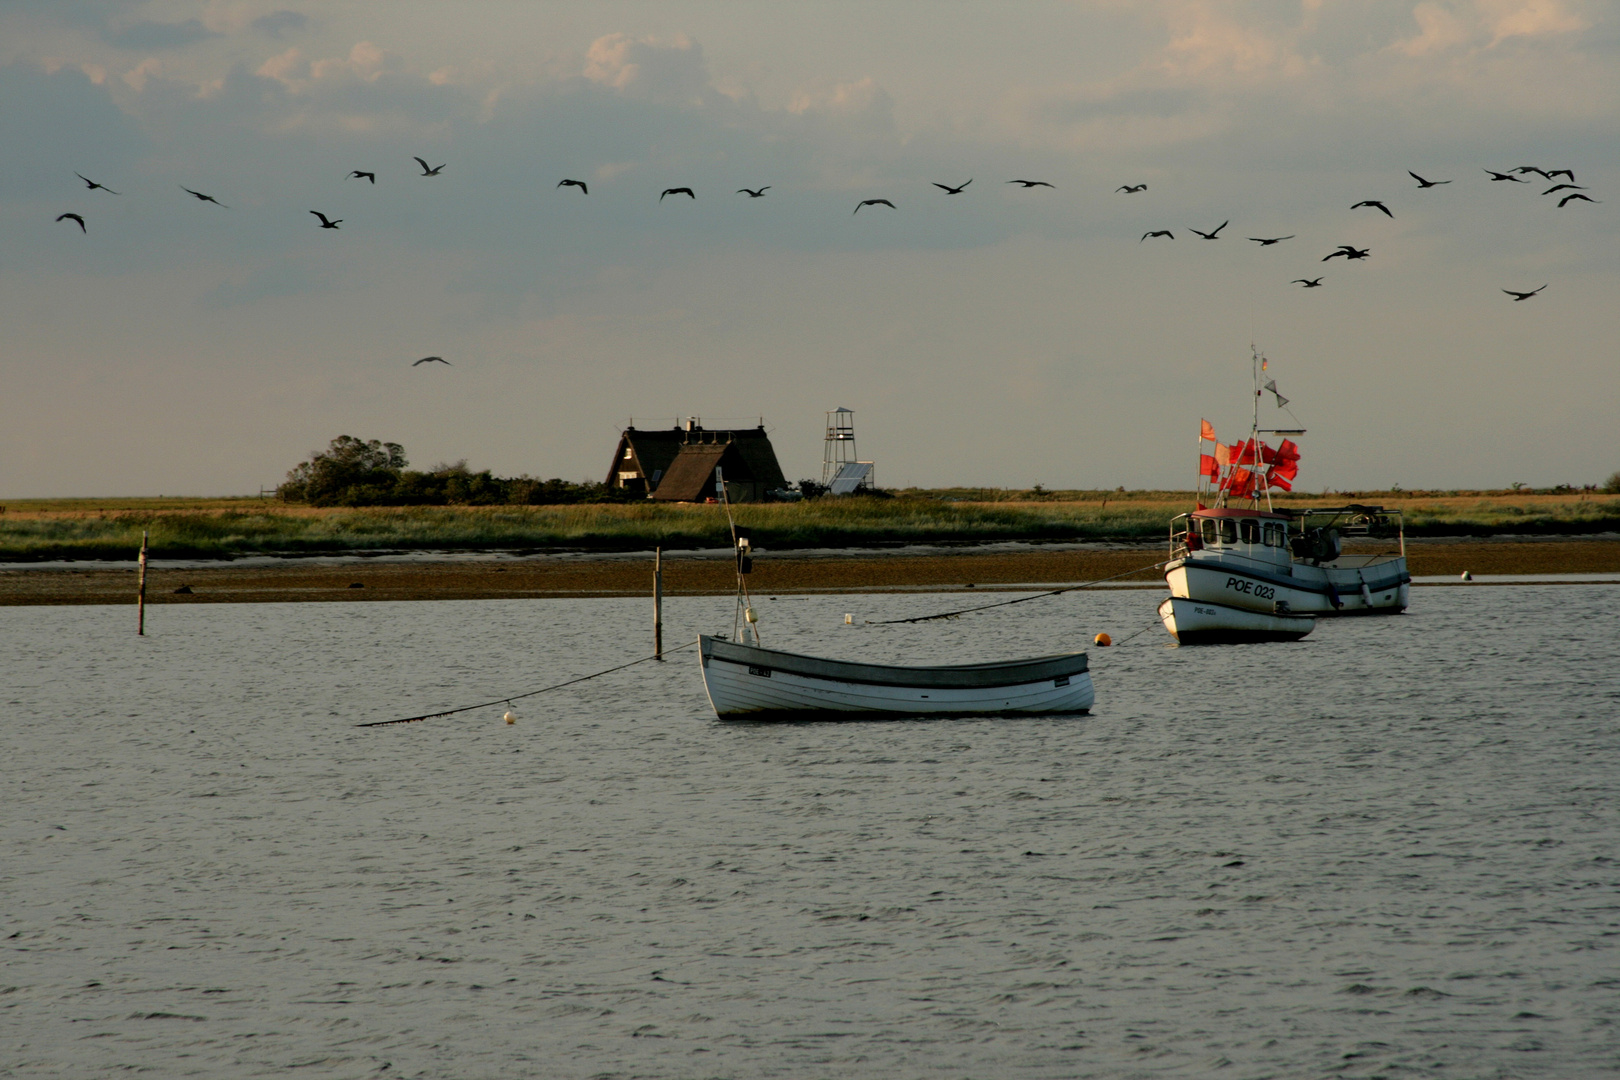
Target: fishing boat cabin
{"x": 677, "y": 464}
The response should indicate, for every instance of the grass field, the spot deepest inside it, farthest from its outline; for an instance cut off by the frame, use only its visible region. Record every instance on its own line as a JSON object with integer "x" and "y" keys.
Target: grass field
{"x": 226, "y": 527}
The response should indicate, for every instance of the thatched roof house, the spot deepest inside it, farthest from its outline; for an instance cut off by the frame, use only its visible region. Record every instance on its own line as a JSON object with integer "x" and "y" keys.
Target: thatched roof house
{"x": 677, "y": 464}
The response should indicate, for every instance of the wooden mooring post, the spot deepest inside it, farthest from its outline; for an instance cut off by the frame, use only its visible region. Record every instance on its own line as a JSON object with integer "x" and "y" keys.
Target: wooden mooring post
{"x": 658, "y": 603}
{"x": 140, "y": 592}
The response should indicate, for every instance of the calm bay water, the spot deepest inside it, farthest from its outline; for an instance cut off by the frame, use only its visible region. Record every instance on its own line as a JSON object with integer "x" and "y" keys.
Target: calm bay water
{"x": 1387, "y": 850}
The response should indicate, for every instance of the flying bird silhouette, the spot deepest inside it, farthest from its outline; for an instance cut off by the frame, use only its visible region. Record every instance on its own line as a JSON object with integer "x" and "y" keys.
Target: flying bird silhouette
{"x": 359, "y": 175}
{"x": 1349, "y": 253}
{"x": 1522, "y": 169}
{"x": 201, "y": 197}
{"x": 93, "y": 186}
{"x": 1032, "y": 183}
{"x": 575, "y": 183}
{"x": 1310, "y": 283}
{"x": 947, "y": 189}
{"x": 1422, "y": 183}
{"x": 874, "y": 202}
{"x": 1264, "y": 242}
{"x": 1497, "y": 176}
{"x": 1372, "y": 202}
{"x": 426, "y": 170}
{"x": 1575, "y": 195}
{"x": 432, "y": 360}
{"x": 326, "y": 223}
{"x": 1517, "y": 296}
{"x": 1130, "y": 189}
{"x": 752, "y": 193}
{"x": 73, "y": 217}
{"x": 1567, "y": 174}
{"x": 1212, "y": 235}
{"x": 677, "y": 191}
{"x": 1562, "y": 187}
{"x": 1158, "y": 232}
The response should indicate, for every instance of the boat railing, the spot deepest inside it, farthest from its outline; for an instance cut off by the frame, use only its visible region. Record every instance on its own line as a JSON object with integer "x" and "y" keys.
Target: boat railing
{"x": 1180, "y": 526}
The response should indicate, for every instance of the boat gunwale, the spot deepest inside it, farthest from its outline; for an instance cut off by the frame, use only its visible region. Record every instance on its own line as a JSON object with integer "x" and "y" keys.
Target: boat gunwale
{"x": 987, "y": 676}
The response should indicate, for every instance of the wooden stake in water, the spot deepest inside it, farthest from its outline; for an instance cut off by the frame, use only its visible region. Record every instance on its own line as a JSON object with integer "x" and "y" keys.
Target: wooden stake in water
{"x": 658, "y": 603}
{"x": 140, "y": 592}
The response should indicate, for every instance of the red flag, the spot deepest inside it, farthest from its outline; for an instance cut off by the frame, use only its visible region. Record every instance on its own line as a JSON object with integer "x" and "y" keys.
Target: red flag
{"x": 1223, "y": 454}
{"x": 1267, "y": 454}
{"x": 1207, "y": 466}
{"x": 1246, "y": 452}
{"x": 1206, "y": 430}
{"x": 1276, "y": 480}
{"x": 1241, "y": 483}
{"x": 1285, "y": 469}
{"x": 1288, "y": 451}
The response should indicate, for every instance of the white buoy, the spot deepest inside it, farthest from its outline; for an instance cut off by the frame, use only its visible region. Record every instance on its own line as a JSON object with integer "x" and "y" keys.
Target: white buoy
{"x": 510, "y": 717}
{"x": 849, "y": 620}
{"x": 1466, "y": 576}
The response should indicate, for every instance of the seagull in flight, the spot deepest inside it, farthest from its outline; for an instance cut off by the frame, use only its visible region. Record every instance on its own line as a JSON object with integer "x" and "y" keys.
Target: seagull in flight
{"x": 201, "y": 197}
{"x": 432, "y": 360}
{"x": 1498, "y": 176}
{"x": 1264, "y": 242}
{"x": 1310, "y": 283}
{"x": 93, "y": 186}
{"x": 575, "y": 183}
{"x": 428, "y": 171}
{"x": 1562, "y": 187}
{"x": 326, "y": 223}
{"x": 874, "y": 202}
{"x": 73, "y": 217}
{"x": 1517, "y": 296}
{"x": 755, "y": 194}
{"x": 1349, "y": 253}
{"x": 1522, "y": 169}
{"x": 678, "y": 191}
{"x": 1130, "y": 189}
{"x": 359, "y": 175}
{"x": 1372, "y": 202}
{"x": 1567, "y": 174}
{"x": 1422, "y": 183}
{"x": 1212, "y": 235}
{"x": 947, "y": 189}
{"x": 1575, "y": 195}
{"x": 1158, "y": 232}
{"x": 1032, "y": 183}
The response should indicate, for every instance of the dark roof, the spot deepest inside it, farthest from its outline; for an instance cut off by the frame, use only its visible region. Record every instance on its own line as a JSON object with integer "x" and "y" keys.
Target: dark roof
{"x": 690, "y": 477}
{"x": 655, "y": 450}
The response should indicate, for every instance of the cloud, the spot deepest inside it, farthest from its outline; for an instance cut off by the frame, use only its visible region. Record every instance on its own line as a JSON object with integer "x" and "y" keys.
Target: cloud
{"x": 1485, "y": 24}
{"x": 70, "y": 122}
{"x": 674, "y": 73}
{"x": 278, "y": 23}
{"x": 147, "y": 35}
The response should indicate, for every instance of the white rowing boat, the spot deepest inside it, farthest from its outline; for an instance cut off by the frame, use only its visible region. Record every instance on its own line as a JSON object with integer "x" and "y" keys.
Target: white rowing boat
{"x": 746, "y": 682}
{"x": 1199, "y": 622}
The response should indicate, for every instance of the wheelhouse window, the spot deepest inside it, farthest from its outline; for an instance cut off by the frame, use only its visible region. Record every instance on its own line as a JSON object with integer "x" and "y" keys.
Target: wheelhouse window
{"x": 1251, "y": 532}
{"x": 1276, "y": 535}
{"x": 1207, "y": 529}
{"x": 1228, "y": 531}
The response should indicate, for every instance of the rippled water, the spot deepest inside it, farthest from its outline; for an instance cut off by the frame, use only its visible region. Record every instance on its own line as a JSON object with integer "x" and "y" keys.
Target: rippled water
{"x": 1387, "y": 850}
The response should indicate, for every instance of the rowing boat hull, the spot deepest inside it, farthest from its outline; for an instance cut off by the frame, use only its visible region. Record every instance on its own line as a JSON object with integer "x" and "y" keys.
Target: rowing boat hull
{"x": 1199, "y": 622}
{"x": 745, "y": 682}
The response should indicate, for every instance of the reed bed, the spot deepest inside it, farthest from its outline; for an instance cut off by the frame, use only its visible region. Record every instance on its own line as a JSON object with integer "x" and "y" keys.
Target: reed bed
{"x": 224, "y": 529}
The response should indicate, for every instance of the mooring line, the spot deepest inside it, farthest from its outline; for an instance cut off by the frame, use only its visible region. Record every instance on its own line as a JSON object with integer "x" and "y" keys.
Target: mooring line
{"x": 520, "y": 697}
{"x": 1020, "y": 600}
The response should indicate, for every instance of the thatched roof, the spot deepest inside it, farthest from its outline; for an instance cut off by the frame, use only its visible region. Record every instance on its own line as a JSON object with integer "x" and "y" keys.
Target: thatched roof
{"x": 655, "y": 451}
{"x": 690, "y": 477}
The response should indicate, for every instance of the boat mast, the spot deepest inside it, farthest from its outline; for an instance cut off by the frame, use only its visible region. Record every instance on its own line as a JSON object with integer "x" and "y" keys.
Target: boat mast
{"x": 1255, "y": 361}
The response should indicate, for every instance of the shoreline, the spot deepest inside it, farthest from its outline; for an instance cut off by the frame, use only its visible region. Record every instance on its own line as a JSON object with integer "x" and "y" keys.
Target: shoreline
{"x": 491, "y": 576}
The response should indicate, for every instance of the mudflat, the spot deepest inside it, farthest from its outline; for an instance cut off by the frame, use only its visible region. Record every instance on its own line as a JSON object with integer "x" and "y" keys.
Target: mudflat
{"x": 305, "y": 580}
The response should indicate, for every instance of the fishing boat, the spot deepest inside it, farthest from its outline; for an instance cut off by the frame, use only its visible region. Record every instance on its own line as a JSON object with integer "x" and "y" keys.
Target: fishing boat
{"x": 1197, "y": 622}
{"x": 747, "y": 682}
{"x": 1241, "y": 553}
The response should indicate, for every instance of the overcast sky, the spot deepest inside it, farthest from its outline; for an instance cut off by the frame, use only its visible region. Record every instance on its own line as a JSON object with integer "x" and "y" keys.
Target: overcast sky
{"x": 1001, "y": 336}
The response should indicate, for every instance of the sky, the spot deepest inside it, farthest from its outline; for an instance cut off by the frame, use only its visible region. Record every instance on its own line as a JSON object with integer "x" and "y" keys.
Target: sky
{"x": 1002, "y": 336}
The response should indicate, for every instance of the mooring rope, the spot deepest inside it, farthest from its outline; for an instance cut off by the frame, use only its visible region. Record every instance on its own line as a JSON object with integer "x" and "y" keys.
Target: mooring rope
{"x": 520, "y": 697}
{"x": 1020, "y": 600}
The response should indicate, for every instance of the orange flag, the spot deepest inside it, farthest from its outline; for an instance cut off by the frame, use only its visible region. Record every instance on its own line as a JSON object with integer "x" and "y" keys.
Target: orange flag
{"x": 1206, "y": 430}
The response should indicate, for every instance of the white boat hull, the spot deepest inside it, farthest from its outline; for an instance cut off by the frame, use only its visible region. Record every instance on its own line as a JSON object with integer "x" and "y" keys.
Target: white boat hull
{"x": 1377, "y": 588}
{"x": 1198, "y": 622}
{"x": 748, "y": 683}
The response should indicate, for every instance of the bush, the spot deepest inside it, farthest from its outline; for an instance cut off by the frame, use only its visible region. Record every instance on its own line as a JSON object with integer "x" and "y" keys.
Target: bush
{"x": 349, "y": 472}
{"x": 1612, "y": 484}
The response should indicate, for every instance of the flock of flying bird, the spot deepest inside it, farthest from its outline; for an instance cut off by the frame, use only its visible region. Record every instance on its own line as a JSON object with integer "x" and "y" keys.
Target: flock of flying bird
{"x": 1348, "y": 252}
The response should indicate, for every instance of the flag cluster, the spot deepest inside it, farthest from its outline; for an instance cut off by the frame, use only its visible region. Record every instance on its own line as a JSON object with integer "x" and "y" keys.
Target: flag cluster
{"x": 1247, "y": 469}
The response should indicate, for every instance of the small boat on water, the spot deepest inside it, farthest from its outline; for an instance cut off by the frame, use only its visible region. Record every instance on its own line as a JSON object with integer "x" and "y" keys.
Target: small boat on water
{"x": 1198, "y": 622}
{"x": 1240, "y": 556}
{"x": 747, "y": 682}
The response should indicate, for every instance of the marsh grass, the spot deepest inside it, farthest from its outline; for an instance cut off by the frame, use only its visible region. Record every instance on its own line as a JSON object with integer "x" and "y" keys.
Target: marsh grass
{"x": 108, "y": 529}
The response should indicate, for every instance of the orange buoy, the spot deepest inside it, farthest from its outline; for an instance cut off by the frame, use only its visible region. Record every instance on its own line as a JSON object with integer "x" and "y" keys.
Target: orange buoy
{"x": 1103, "y": 639}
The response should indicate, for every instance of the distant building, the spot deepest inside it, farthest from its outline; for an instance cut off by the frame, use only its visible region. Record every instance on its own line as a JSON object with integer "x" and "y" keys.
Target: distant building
{"x": 677, "y": 464}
